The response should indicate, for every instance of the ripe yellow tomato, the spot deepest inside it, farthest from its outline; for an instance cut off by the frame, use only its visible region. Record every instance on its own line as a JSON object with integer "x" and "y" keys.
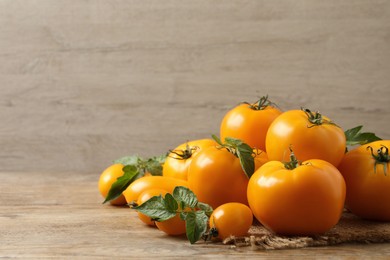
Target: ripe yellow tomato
{"x": 311, "y": 135}
{"x": 177, "y": 162}
{"x": 174, "y": 226}
{"x": 151, "y": 182}
{"x": 249, "y": 123}
{"x": 366, "y": 171}
{"x": 231, "y": 219}
{"x": 216, "y": 177}
{"x": 144, "y": 196}
{"x": 107, "y": 178}
{"x": 306, "y": 199}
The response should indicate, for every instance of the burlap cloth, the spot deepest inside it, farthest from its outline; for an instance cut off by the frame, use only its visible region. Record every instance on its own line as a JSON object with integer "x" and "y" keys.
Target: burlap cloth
{"x": 350, "y": 229}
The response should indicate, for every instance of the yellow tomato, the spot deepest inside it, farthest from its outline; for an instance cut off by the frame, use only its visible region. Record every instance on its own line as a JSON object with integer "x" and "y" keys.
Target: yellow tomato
{"x": 107, "y": 178}
{"x": 177, "y": 162}
{"x": 151, "y": 182}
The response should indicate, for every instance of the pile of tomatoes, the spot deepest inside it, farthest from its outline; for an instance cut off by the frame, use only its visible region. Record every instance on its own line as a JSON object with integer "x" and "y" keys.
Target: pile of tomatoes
{"x": 291, "y": 170}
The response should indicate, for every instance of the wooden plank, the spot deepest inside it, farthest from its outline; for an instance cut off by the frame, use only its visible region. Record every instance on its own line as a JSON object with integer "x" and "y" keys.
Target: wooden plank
{"x": 50, "y": 215}
{"x": 84, "y": 83}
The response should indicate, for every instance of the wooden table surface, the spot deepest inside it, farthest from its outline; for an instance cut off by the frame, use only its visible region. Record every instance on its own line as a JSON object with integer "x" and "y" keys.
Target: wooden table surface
{"x": 46, "y": 215}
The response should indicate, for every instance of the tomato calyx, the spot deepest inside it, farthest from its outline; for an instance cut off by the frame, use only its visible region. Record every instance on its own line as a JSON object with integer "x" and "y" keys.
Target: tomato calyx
{"x": 316, "y": 118}
{"x": 381, "y": 157}
{"x": 211, "y": 233}
{"x": 261, "y": 104}
{"x": 293, "y": 163}
{"x": 185, "y": 153}
{"x": 240, "y": 150}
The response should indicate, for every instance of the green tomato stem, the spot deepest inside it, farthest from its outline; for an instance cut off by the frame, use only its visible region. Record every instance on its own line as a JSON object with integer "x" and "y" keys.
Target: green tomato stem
{"x": 382, "y": 157}
{"x": 293, "y": 163}
{"x": 261, "y": 104}
{"x": 315, "y": 118}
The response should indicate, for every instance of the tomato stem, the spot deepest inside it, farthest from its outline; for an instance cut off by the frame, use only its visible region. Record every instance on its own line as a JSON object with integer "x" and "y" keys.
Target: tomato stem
{"x": 382, "y": 157}
{"x": 315, "y": 118}
{"x": 184, "y": 154}
{"x": 211, "y": 233}
{"x": 261, "y": 104}
{"x": 293, "y": 163}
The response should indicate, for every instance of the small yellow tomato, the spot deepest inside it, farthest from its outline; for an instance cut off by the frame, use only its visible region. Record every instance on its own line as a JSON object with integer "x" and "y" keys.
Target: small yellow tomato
{"x": 107, "y": 178}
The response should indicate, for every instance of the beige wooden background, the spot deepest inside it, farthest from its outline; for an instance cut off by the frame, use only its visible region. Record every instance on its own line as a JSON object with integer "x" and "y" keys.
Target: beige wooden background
{"x": 84, "y": 82}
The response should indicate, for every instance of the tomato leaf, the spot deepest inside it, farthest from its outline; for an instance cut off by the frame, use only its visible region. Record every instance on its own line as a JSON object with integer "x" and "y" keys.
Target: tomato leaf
{"x": 185, "y": 195}
{"x": 153, "y": 165}
{"x": 205, "y": 207}
{"x": 244, "y": 153}
{"x": 134, "y": 168}
{"x": 170, "y": 203}
{"x": 128, "y": 160}
{"x": 234, "y": 142}
{"x": 216, "y": 139}
{"x": 196, "y": 225}
{"x": 195, "y": 214}
{"x": 158, "y": 208}
{"x": 130, "y": 172}
{"x": 354, "y": 136}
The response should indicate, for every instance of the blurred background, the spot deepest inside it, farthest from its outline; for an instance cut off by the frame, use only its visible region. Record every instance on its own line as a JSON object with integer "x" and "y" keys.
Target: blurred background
{"x": 86, "y": 82}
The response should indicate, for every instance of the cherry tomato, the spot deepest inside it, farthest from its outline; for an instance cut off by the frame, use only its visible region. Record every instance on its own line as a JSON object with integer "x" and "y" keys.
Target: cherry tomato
{"x": 231, "y": 219}
{"x": 311, "y": 135}
{"x": 177, "y": 163}
{"x": 249, "y": 122}
{"x": 144, "y": 196}
{"x": 151, "y": 182}
{"x": 174, "y": 226}
{"x": 306, "y": 200}
{"x": 366, "y": 171}
{"x": 216, "y": 177}
{"x": 107, "y": 178}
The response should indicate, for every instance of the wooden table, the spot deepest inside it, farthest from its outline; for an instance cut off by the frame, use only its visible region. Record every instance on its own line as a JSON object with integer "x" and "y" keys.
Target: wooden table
{"x": 59, "y": 214}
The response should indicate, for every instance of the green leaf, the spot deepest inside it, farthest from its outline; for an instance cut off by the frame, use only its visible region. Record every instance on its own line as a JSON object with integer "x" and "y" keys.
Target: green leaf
{"x": 233, "y": 141}
{"x": 196, "y": 225}
{"x": 194, "y": 213}
{"x": 183, "y": 215}
{"x": 354, "y": 136}
{"x": 205, "y": 207}
{"x": 128, "y": 160}
{"x": 153, "y": 165}
{"x": 170, "y": 203}
{"x": 157, "y": 208}
{"x": 185, "y": 195}
{"x": 122, "y": 182}
{"x": 160, "y": 159}
{"x": 216, "y": 139}
{"x": 244, "y": 153}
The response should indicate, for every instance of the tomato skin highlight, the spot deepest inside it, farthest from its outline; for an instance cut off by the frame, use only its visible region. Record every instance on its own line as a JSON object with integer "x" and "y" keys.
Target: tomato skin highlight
{"x": 293, "y": 129}
{"x": 216, "y": 177}
{"x": 231, "y": 219}
{"x": 307, "y": 200}
{"x": 249, "y": 125}
{"x": 144, "y": 196}
{"x": 368, "y": 190}
{"x": 107, "y": 178}
{"x": 151, "y": 182}
{"x": 177, "y": 167}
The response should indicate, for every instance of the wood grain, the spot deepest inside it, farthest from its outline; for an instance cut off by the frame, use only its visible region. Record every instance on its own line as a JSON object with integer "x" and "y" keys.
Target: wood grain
{"x": 85, "y": 82}
{"x": 60, "y": 215}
